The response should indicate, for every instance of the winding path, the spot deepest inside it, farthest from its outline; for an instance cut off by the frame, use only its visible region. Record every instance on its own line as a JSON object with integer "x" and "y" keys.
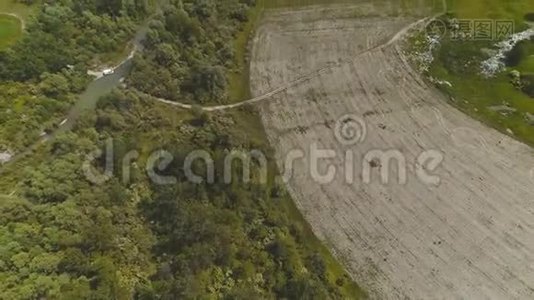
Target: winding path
{"x": 104, "y": 84}
{"x": 100, "y": 86}
{"x": 464, "y": 232}
{"x": 400, "y": 34}
{"x": 21, "y": 20}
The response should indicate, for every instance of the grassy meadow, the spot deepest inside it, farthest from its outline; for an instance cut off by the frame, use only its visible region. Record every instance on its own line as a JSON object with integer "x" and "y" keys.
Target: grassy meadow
{"x": 10, "y": 30}
{"x": 11, "y": 27}
{"x": 491, "y": 9}
{"x": 458, "y": 62}
{"x": 14, "y": 7}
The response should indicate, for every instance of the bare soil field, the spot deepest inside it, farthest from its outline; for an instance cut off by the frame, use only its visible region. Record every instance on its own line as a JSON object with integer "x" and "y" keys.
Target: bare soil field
{"x": 471, "y": 236}
{"x": 290, "y": 44}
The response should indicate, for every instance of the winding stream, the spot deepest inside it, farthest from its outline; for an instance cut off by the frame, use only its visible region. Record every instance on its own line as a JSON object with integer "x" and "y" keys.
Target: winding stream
{"x": 100, "y": 87}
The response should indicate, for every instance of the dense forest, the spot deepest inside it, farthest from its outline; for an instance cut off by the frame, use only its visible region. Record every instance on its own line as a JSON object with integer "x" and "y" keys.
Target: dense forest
{"x": 189, "y": 51}
{"x": 65, "y": 237}
{"x": 42, "y": 73}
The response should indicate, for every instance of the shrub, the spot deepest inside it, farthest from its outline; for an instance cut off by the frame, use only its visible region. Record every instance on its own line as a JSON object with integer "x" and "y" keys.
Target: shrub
{"x": 529, "y": 17}
{"x": 528, "y": 84}
{"x": 518, "y": 53}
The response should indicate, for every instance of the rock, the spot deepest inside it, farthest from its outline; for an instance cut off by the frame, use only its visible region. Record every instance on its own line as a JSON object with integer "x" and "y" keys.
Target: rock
{"x": 5, "y": 157}
{"x": 515, "y": 74}
{"x": 529, "y": 118}
{"x": 503, "y": 109}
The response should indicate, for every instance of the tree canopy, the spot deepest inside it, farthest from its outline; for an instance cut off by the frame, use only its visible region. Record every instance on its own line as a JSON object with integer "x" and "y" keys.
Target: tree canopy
{"x": 63, "y": 236}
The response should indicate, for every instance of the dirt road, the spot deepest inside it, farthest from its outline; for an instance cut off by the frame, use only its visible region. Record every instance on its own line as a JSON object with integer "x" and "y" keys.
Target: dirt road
{"x": 468, "y": 236}
{"x": 375, "y": 40}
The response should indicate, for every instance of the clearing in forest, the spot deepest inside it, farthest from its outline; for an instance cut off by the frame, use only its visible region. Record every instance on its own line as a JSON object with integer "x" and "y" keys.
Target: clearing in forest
{"x": 13, "y": 16}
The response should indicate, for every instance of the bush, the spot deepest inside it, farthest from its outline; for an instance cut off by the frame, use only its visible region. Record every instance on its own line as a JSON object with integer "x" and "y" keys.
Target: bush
{"x": 528, "y": 85}
{"x": 529, "y": 17}
{"x": 518, "y": 53}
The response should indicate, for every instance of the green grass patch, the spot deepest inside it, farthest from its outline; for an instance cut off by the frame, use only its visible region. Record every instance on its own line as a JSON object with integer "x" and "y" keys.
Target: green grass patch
{"x": 491, "y": 9}
{"x": 239, "y": 78}
{"x": 459, "y": 63}
{"x": 300, "y": 3}
{"x": 11, "y": 27}
{"x": 14, "y": 7}
{"x": 402, "y": 5}
{"x": 10, "y": 30}
{"x": 475, "y": 95}
{"x": 526, "y": 65}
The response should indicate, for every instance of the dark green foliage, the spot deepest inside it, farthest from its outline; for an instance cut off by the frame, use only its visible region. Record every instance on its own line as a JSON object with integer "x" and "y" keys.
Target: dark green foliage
{"x": 64, "y": 237}
{"x": 527, "y": 82}
{"x": 518, "y": 53}
{"x": 189, "y": 51}
{"x": 66, "y": 35}
{"x": 529, "y": 17}
{"x": 67, "y": 238}
{"x": 522, "y": 51}
{"x": 42, "y": 73}
{"x": 460, "y": 57}
{"x": 135, "y": 239}
{"x": 219, "y": 240}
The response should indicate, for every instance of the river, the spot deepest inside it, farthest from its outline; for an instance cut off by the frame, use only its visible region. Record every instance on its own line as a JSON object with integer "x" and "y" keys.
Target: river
{"x": 101, "y": 86}
{"x": 89, "y": 98}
